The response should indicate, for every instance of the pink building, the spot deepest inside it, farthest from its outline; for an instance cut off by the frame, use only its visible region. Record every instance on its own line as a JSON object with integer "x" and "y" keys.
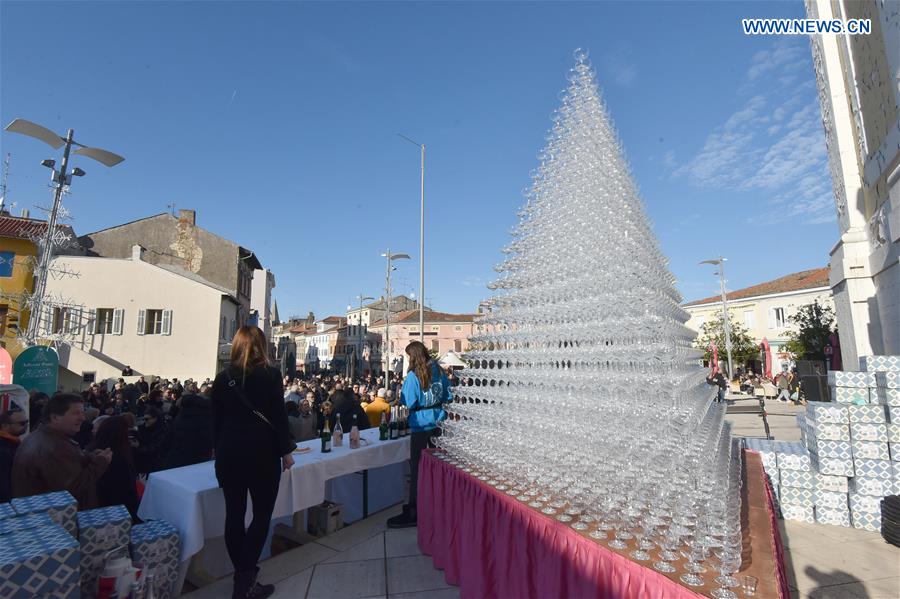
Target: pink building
{"x": 443, "y": 332}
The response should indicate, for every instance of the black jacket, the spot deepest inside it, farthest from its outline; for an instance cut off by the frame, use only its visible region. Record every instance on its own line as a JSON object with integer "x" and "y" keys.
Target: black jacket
{"x": 153, "y": 446}
{"x": 345, "y": 405}
{"x": 192, "y": 433}
{"x": 117, "y": 486}
{"x": 239, "y": 435}
{"x": 7, "y": 453}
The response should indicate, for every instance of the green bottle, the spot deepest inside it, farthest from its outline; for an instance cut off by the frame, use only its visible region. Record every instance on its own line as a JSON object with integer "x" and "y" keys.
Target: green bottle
{"x": 326, "y": 438}
{"x": 383, "y": 428}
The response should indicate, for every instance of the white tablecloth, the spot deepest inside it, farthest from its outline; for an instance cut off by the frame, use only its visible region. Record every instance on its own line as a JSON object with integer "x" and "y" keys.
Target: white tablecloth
{"x": 190, "y": 499}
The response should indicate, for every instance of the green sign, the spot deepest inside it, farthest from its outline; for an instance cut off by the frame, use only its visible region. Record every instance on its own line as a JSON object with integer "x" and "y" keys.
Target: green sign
{"x": 37, "y": 368}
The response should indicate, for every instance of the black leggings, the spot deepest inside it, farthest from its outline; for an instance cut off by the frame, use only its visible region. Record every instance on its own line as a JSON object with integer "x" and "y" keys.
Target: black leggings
{"x": 261, "y": 480}
{"x": 417, "y": 443}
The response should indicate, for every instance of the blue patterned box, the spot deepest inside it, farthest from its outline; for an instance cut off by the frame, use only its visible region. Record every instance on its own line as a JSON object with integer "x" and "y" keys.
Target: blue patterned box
{"x": 800, "y": 513}
{"x": 887, "y": 380}
{"x": 100, "y": 531}
{"x": 797, "y": 496}
{"x": 834, "y": 449}
{"x": 875, "y": 363}
{"x": 870, "y": 450}
{"x": 833, "y": 466}
{"x": 871, "y": 414}
{"x": 840, "y": 378}
{"x": 866, "y": 520}
{"x": 893, "y": 432}
{"x": 873, "y": 468}
{"x": 828, "y": 499}
{"x": 39, "y": 561}
{"x": 865, "y": 503}
{"x": 791, "y": 456}
{"x": 889, "y": 397}
{"x": 829, "y": 431}
{"x": 838, "y": 484}
{"x": 868, "y": 431}
{"x": 874, "y": 487}
{"x": 155, "y": 545}
{"x": 826, "y": 412}
{"x": 835, "y": 517}
{"x": 849, "y": 395}
{"x": 766, "y": 449}
{"x": 803, "y": 479}
{"x": 11, "y": 525}
{"x": 60, "y": 505}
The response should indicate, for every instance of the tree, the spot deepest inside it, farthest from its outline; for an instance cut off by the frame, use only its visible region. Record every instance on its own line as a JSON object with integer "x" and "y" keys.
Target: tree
{"x": 743, "y": 347}
{"x": 815, "y": 323}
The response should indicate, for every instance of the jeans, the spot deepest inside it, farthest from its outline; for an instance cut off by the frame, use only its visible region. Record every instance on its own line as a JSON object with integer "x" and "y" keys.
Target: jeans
{"x": 417, "y": 443}
{"x": 261, "y": 480}
{"x": 721, "y": 397}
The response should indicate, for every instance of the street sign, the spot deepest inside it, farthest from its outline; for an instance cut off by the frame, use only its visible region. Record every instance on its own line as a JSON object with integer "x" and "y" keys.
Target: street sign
{"x": 5, "y": 367}
{"x": 37, "y": 368}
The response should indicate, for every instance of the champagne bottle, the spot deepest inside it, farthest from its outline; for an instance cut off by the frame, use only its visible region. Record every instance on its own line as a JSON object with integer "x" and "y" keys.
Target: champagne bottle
{"x": 337, "y": 437}
{"x": 354, "y": 435}
{"x": 393, "y": 430}
{"x": 383, "y": 427}
{"x": 326, "y": 438}
{"x": 401, "y": 422}
{"x": 405, "y": 422}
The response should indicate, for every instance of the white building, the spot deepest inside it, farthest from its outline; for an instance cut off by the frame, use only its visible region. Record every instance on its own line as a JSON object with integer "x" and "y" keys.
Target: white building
{"x": 858, "y": 78}
{"x": 765, "y": 309}
{"x": 261, "y": 299}
{"x": 158, "y": 319}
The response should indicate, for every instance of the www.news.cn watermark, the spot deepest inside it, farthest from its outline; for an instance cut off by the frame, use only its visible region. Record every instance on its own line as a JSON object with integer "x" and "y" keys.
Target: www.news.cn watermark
{"x": 806, "y": 26}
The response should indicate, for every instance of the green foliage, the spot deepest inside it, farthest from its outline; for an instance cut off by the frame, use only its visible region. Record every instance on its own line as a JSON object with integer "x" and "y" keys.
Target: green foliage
{"x": 743, "y": 348}
{"x": 814, "y": 325}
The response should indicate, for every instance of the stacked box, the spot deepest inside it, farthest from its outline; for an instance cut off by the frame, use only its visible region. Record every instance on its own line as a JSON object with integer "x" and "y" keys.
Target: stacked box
{"x": 887, "y": 380}
{"x": 865, "y": 511}
{"x": 156, "y": 546}
{"x": 60, "y": 505}
{"x": 882, "y": 363}
{"x": 840, "y": 378}
{"x": 883, "y": 396}
{"x": 837, "y": 484}
{"x": 835, "y": 517}
{"x": 19, "y": 523}
{"x": 850, "y": 395}
{"x": 100, "y": 532}
{"x": 39, "y": 562}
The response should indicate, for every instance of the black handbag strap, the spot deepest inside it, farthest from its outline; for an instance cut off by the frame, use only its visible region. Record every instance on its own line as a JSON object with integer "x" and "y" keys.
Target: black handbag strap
{"x": 247, "y": 403}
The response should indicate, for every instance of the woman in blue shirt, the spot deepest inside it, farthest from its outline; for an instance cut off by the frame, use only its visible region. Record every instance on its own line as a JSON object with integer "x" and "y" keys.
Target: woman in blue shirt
{"x": 425, "y": 391}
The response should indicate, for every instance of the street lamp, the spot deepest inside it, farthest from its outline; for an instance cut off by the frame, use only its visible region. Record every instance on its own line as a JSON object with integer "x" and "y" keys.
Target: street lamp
{"x": 62, "y": 178}
{"x": 726, "y": 324}
{"x": 421, "y": 244}
{"x": 361, "y": 299}
{"x": 387, "y": 299}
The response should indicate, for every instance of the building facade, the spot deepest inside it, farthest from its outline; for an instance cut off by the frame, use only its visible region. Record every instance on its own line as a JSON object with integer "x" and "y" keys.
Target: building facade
{"x": 443, "y": 332}
{"x": 377, "y": 310}
{"x": 858, "y": 79}
{"x": 765, "y": 309}
{"x": 179, "y": 242}
{"x": 158, "y": 319}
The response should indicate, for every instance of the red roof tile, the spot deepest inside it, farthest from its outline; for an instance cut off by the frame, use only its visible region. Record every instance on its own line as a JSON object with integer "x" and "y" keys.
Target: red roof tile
{"x": 808, "y": 279}
{"x": 431, "y": 317}
{"x": 24, "y": 228}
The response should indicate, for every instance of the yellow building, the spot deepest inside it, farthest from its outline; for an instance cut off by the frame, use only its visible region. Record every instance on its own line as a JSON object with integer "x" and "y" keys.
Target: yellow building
{"x": 17, "y": 253}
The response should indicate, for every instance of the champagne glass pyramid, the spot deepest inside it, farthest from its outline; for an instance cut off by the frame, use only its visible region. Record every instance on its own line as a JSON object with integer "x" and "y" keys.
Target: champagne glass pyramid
{"x": 585, "y": 398}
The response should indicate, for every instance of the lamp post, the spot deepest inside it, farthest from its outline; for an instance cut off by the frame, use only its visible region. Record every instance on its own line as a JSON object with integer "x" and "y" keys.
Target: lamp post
{"x": 361, "y": 299}
{"x": 421, "y": 243}
{"x": 726, "y": 324}
{"x": 387, "y": 307}
{"x": 63, "y": 179}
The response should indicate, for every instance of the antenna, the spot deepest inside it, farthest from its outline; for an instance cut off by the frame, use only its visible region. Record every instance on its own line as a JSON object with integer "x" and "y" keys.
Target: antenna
{"x": 4, "y": 183}
{"x": 171, "y": 208}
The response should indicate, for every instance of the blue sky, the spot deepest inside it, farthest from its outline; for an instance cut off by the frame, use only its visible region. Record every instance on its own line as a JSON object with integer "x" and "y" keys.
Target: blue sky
{"x": 277, "y": 123}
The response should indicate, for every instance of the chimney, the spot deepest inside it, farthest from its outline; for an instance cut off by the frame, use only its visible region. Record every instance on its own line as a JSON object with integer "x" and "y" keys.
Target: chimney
{"x": 137, "y": 253}
{"x": 188, "y": 216}
{"x": 25, "y": 213}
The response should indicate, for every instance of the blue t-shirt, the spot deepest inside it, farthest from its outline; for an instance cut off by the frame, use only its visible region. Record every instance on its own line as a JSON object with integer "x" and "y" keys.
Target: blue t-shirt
{"x": 426, "y": 407}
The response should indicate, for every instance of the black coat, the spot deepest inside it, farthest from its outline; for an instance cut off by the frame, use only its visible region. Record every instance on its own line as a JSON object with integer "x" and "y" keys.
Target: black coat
{"x": 117, "y": 486}
{"x": 346, "y": 406}
{"x": 153, "y": 446}
{"x": 7, "y": 453}
{"x": 240, "y": 436}
{"x": 192, "y": 433}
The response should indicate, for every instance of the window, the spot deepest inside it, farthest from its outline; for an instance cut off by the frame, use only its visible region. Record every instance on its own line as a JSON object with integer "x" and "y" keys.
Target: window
{"x": 223, "y": 332}
{"x": 435, "y": 327}
{"x": 3, "y": 311}
{"x": 776, "y": 318}
{"x": 65, "y": 320}
{"x": 435, "y": 345}
{"x": 750, "y": 319}
{"x": 88, "y": 377}
{"x": 154, "y": 322}
{"x": 413, "y": 329}
{"x": 457, "y": 345}
{"x": 457, "y": 328}
{"x": 7, "y": 261}
{"x": 104, "y": 320}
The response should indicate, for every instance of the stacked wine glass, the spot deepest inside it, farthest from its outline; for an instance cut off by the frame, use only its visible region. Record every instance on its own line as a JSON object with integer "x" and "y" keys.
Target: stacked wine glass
{"x": 585, "y": 398}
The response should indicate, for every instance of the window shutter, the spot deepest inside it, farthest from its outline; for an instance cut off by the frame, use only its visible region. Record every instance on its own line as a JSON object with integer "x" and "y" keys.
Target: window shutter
{"x": 118, "y": 319}
{"x": 91, "y": 321}
{"x": 142, "y": 321}
{"x": 167, "y": 322}
{"x": 74, "y": 320}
